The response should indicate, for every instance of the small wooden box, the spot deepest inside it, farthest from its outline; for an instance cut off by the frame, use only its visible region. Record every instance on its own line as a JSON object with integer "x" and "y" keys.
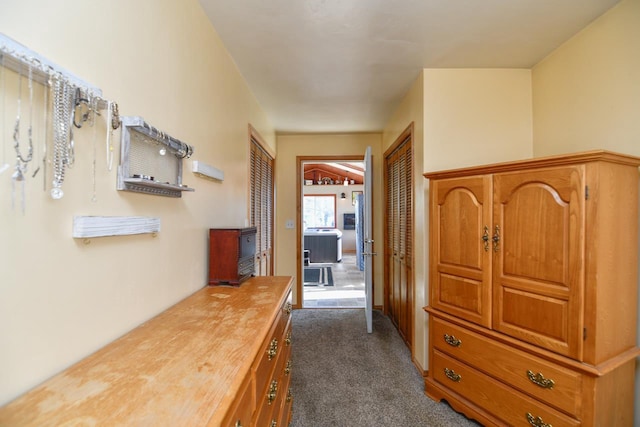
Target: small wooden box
{"x": 232, "y": 254}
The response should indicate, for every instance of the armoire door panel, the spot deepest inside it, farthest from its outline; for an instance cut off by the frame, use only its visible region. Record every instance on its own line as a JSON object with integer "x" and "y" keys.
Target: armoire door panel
{"x": 547, "y": 317}
{"x": 461, "y": 251}
{"x": 538, "y": 259}
{"x": 461, "y": 296}
{"x": 542, "y": 251}
{"x": 460, "y": 217}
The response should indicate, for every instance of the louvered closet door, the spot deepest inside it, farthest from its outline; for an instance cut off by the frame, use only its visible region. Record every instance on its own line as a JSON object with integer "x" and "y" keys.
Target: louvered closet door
{"x": 393, "y": 241}
{"x": 399, "y": 251}
{"x": 262, "y": 207}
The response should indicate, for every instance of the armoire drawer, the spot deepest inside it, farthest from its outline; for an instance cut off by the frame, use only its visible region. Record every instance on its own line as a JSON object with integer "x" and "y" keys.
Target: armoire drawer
{"x": 555, "y": 385}
{"x": 507, "y": 404}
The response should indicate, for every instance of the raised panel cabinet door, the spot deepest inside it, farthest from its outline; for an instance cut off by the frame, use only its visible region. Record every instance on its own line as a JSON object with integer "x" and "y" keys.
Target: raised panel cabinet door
{"x": 538, "y": 269}
{"x": 460, "y": 247}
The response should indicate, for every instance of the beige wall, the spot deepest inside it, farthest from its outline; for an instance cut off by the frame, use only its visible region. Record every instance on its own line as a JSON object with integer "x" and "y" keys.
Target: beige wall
{"x": 586, "y": 95}
{"x": 462, "y": 117}
{"x": 318, "y": 145}
{"x": 61, "y": 299}
{"x": 411, "y": 111}
{"x": 476, "y": 116}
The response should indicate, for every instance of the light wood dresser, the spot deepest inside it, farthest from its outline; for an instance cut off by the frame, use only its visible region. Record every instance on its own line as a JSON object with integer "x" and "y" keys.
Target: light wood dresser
{"x": 533, "y": 290}
{"x": 220, "y": 357}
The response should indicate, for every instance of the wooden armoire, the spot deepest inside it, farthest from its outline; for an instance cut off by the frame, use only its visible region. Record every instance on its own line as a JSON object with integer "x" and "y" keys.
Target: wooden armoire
{"x": 398, "y": 165}
{"x": 533, "y": 290}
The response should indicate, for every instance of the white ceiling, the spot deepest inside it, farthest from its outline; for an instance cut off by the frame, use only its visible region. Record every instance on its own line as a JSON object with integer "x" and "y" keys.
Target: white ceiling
{"x": 344, "y": 65}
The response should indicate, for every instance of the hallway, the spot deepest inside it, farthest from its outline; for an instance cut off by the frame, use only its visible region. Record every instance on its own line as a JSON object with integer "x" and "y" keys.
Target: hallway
{"x": 347, "y": 290}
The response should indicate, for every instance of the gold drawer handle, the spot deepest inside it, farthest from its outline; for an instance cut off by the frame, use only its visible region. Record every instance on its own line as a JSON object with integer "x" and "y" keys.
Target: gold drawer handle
{"x": 273, "y": 349}
{"x": 451, "y": 374}
{"x": 238, "y": 424}
{"x": 273, "y": 391}
{"x": 289, "y": 396}
{"x": 287, "y": 308}
{"x": 287, "y": 340}
{"x": 539, "y": 380}
{"x": 287, "y": 369}
{"x": 536, "y": 421}
{"x": 452, "y": 340}
{"x": 274, "y": 423}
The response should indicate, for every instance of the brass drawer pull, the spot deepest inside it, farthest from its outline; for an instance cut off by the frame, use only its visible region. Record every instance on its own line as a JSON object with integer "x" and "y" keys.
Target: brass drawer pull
{"x": 287, "y": 308}
{"x": 289, "y": 396}
{"x": 539, "y": 380}
{"x": 273, "y": 391}
{"x": 274, "y": 423}
{"x": 273, "y": 349}
{"x": 536, "y": 421}
{"x": 287, "y": 340}
{"x": 452, "y": 340}
{"x": 238, "y": 424}
{"x": 451, "y": 374}
{"x": 287, "y": 369}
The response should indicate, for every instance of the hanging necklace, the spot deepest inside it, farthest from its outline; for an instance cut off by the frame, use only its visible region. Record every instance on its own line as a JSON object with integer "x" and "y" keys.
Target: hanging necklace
{"x": 93, "y": 103}
{"x": 45, "y": 127}
{"x": 62, "y": 121}
{"x": 21, "y": 160}
{"x": 109, "y": 145}
{"x": 31, "y": 150}
{"x": 4, "y": 166}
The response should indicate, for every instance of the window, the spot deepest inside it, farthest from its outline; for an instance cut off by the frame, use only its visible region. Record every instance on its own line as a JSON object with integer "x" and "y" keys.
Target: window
{"x": 319, "y": 211}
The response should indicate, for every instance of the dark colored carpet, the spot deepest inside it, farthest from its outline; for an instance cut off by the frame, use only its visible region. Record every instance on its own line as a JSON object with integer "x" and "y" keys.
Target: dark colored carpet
{"x": 344, "y": 377}
{"x": 314, "y": 276}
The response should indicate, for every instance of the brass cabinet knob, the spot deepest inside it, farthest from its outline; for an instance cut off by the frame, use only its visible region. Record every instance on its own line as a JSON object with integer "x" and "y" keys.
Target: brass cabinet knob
{"x": 485, "y": 238}
{"x": 273, "y": 349}
{"x": 496, "y": 239}
{"x": 287, "y": 308}
{"x": 273, "y": 391}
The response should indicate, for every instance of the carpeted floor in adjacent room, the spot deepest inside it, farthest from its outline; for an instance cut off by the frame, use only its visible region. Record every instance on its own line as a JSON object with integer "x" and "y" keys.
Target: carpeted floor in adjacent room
{"x": 344, "y": 377}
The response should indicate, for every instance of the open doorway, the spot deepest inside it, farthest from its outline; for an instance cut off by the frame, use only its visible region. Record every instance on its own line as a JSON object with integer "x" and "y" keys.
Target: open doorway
{"x": 332, "y": 270}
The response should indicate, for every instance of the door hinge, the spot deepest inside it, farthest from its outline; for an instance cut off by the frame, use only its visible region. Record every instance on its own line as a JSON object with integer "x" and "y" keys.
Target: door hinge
{"x": 586, "y": 192}
{"x": 584, "y": 334}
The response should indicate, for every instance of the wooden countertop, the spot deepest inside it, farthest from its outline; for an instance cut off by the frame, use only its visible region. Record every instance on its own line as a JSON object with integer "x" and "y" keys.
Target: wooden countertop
{"x": 181, "y": 368}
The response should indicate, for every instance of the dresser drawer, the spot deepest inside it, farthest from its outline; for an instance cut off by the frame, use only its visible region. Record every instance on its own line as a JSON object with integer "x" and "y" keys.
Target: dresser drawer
{"x": 509, "y": 405}
{"x": 272, "y": 378}
{"x": 555, "y": 385}
{"x": 271, "y": 348}
{"x": 242, "y": 409}
{"x": 270, "y": 402}
{"x": 286, "y": 312}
